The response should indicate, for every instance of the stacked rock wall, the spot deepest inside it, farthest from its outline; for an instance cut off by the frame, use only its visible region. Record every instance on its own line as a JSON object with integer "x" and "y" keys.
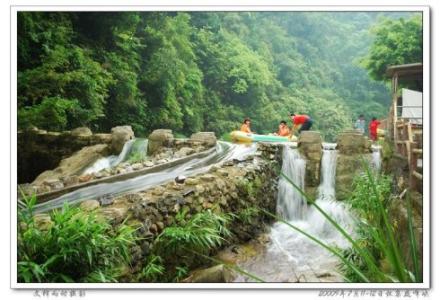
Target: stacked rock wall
{"x": 353, "y": 148}
{"x": 232, "y": 187}
{"x": 310, "y": 146}
{"x": 40, "y": 150}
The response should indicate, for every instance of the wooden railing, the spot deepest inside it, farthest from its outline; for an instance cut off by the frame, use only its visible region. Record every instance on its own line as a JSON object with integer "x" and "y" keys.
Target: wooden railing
{"x": 409, "y": 144}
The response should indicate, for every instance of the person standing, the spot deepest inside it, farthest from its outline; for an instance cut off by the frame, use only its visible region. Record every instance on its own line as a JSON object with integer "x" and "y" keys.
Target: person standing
{"x": 246, "y": 126}
{"x": 304, "y": 122}
{"x": 359, "y": 125}
{"x": 373, "y": 128}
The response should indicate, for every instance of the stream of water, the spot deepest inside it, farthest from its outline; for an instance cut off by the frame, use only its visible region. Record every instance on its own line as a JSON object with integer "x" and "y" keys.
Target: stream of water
{"x": 290, "y": 256}
{"x": 224, "y": 151}
{"x": 132, "y": 148}
{"x": 376, "y": 159}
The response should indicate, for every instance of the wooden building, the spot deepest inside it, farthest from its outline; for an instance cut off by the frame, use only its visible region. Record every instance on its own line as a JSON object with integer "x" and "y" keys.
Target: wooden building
{"x": 405, "y": 122}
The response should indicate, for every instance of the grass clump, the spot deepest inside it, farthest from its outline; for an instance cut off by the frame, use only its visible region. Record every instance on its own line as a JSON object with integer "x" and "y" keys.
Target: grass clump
{"x": 76, "y": 246}
{"x": 185, "y": 244}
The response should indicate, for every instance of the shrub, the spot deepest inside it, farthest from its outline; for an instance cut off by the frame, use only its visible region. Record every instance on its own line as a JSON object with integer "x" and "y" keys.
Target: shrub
{"x": 202, "y": 232}
{"x": 77, "y": 246}
{"x": 185, "y": 244}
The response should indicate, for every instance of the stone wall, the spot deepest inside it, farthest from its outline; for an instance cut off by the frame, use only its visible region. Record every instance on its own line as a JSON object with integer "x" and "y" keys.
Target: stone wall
{"x": 162, "y": 140}
{"x": 40, "y": 150}
{"x": 232, "y": 187}
{"x": 310, "y": 146}
{"x": 353, "y": 148}
{"x": 68, "y": 174}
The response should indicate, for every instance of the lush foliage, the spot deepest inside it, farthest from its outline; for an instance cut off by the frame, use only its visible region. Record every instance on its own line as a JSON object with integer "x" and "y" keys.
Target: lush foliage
{"x": 185, "y": 243}
{"x": 197, "y": 71}
{"x": 396, "y": 42}
{"x": 201, "y": 232}
{"x": 74, "y": 246}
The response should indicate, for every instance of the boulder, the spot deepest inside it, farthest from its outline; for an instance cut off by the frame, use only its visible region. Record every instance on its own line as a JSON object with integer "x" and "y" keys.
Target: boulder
{"x": 180, "y": 179}
{"x": 351, "y": 142}
{"x": 84, "y": 131}
{"x": 208, "y": 177}
{"x": 89, "y": 205}
{"x": 114, "y": 215}
{"x": 74, "y": 164}
{"x": 192, "y": 181}
{"x": 207, "y": 138}
{"x": 184, "y": 151}
{"x": 148, "y": 164}
{"x": 101, "y": 138}
{"x": 158, "y": 139}
{"x": 137, "y": 166}
{"x": 70, "y": 180}
{"x": 43, "y": 221}
{"x": 120, "y": 135}
{"x": 85, "y": 178}
{"x": 310, "y": 137}
{"x": 55, "y": 184}
{"x": 310, "y": 146}
{"x": 216, "y": 274}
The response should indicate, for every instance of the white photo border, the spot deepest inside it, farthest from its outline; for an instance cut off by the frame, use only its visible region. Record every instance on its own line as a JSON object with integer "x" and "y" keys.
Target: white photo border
{"x": 425, "y": 10}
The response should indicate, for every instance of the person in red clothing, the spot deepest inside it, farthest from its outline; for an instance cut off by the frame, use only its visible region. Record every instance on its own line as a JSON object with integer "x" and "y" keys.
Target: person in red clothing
{"x": 301, "y": 120}
{"x": 373, "y": 128}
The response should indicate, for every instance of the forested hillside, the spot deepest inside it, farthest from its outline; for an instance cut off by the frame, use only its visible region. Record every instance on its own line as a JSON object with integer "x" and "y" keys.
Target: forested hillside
{"x": 196, "y": 71}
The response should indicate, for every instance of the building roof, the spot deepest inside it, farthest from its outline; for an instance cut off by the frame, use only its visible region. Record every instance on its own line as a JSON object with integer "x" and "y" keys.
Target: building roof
{"x": 408, "y": 70}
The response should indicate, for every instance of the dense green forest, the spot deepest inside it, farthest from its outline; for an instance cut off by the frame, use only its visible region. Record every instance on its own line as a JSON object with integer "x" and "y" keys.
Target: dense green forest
{"x": 206, "y": 70}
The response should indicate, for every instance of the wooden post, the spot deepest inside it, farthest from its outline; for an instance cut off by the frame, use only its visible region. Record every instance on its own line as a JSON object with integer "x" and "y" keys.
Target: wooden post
{"x": 394, "y": 88}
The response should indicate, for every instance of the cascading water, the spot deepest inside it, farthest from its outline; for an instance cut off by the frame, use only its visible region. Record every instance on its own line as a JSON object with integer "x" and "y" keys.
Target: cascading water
{"x": 326, "y": 189}
{"x": 112, "y": 160}
{"x": 376, "y": 159}
{"x": 290, "y": 203}
{"x": 291, "y": 255}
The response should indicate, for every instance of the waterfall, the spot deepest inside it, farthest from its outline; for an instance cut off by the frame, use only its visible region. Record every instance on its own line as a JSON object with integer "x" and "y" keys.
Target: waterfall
{"x": 326, "y": 189}
{"x": 326, "y": 201}
{"x": 110, "y": 161}
{"x": 138, "y": 150}
{"x": 290, "y": 203}
{"x": 290, "y": 254}
{"x": 376, "y": 159}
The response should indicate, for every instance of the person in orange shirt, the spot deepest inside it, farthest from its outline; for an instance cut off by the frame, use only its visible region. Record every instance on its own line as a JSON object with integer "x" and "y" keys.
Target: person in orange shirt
{"x": 246, "y": 126}
{"x": 283, "y": 130}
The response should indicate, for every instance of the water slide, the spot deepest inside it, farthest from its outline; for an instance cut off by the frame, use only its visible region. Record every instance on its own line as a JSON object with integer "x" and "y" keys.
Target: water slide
{"x": 224, "y": 151}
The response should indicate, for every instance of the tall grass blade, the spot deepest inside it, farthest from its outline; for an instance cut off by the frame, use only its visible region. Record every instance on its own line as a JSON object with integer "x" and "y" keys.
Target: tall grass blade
{"x": 412, "y": 240}
{"x": 394, "y": 253}
{"x": 367, "y": 257}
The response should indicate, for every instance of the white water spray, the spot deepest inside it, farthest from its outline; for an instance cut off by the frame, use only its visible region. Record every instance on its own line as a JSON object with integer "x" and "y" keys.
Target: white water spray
{"x": 376, "y": 159}
{"x": 291, "y": 255}
{"x": 290, "y": 203}
{"x": 110, "y": 161}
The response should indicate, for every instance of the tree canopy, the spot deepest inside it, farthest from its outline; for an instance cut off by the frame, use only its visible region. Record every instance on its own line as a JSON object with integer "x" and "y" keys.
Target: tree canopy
{"x": 396, "y": 42}
{"x": 191, "y": 71}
